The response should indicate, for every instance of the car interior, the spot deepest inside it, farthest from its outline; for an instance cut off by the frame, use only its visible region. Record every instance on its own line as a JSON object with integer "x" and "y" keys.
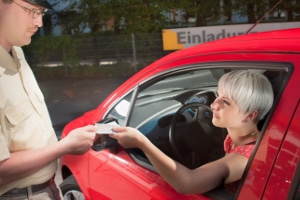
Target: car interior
{"x": 173, "y": 111}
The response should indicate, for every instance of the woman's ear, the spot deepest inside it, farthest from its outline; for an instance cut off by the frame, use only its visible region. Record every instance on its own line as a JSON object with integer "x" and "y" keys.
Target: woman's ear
{"x": 252, "y": 116}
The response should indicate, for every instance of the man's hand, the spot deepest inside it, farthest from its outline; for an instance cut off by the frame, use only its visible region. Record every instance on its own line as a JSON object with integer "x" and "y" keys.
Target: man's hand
{"x": 80, "y": 140}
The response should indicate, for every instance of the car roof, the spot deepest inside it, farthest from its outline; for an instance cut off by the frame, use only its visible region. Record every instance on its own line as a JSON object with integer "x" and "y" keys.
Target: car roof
{"x": 280, "y": 41}
{"x": 286, "y": 40}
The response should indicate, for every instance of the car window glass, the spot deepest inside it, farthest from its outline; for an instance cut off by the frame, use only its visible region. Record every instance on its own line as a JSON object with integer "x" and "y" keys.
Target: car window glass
{"x": 120, "y": 110}
{"x": 297, "y": 191}
{"x": 159, "y": 97}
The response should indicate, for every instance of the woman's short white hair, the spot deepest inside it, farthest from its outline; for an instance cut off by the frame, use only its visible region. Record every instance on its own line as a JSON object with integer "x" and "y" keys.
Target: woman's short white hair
{"x": 249, "y": 90}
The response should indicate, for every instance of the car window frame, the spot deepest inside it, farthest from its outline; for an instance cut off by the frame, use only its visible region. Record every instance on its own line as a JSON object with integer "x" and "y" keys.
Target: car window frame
{"x": 220, "y": 65}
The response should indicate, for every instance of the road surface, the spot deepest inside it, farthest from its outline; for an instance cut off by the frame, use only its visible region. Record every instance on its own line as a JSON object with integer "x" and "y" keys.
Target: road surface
{"x": 67, "y": 99}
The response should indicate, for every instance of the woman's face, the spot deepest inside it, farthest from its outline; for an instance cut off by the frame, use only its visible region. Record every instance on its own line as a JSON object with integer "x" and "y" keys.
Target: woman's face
{"x": 226, "y": 113}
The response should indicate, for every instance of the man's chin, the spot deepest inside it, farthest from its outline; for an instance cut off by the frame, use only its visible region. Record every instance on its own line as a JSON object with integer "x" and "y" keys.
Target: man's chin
{"x": 26, "y": 42}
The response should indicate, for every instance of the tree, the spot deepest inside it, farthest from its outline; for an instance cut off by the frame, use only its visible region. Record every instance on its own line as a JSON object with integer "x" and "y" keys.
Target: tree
{"x": 227, "y": 9}
{"x": 148, "y": 16}
{"x": 126, "y": 15}
{"x": 205, "y": 12}
{"x": 253, "y": 9}
{"x": 134, "y": 16}
{"x": 292, "y": 7}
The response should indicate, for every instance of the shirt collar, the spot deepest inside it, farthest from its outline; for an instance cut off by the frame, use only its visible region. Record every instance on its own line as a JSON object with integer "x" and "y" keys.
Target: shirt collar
{"x": 7, "y": 62}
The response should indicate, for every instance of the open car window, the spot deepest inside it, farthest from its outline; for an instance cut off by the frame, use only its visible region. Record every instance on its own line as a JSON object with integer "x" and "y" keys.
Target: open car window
{"x": 161, "y": 97}
{"x": 153, "y": 105}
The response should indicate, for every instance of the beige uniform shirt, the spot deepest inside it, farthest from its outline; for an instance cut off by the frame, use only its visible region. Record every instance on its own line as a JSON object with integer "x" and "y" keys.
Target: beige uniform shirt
{"x": 24, "y": 118}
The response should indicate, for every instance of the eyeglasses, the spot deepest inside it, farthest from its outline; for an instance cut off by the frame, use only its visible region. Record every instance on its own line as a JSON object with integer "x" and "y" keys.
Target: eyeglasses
{"x": 34, "y": 13}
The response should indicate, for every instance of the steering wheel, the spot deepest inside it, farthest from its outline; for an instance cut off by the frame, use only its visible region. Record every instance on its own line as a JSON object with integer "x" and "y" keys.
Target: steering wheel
{"x": 193, "y": 138}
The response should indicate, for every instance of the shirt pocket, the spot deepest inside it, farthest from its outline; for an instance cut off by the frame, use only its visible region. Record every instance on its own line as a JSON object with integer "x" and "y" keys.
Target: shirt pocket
{"x": 17, "y": 114}
{"x": 21, "y": 127}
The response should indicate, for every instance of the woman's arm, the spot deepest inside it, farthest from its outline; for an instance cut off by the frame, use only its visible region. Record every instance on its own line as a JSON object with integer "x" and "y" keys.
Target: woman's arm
{"x": 183, "y": 179}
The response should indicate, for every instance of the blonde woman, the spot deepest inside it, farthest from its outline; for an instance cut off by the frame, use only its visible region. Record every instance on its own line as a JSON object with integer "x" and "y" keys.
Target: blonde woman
{"x": 243, "y": 99}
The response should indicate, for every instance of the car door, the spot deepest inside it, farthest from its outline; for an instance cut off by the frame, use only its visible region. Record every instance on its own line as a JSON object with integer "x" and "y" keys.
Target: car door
{"x": 284, "y": 172}
{"x": 273, "y": 167}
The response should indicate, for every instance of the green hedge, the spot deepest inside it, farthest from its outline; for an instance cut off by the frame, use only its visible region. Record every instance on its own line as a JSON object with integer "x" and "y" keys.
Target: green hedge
{"x": 115, "y": 70}
{"x": 80, "y": 55}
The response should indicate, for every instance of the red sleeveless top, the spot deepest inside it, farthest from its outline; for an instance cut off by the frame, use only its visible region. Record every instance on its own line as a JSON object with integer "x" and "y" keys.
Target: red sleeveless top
{"x": 244, "y": 150}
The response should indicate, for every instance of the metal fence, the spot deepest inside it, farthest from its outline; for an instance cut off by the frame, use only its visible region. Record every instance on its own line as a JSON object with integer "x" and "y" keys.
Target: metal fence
{"x": 136, "y": 49}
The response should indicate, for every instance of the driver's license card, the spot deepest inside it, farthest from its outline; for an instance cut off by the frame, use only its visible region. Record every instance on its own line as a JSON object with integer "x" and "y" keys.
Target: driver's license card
{"x": 105, "y": 128}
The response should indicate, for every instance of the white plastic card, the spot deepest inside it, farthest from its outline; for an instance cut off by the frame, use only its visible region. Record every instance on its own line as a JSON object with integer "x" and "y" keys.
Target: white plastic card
{"x": 105, "y": 128}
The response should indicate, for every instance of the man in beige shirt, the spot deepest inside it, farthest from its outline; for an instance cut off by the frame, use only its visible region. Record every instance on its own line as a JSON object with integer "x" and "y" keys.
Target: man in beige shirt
{"x": 28, "y": 145}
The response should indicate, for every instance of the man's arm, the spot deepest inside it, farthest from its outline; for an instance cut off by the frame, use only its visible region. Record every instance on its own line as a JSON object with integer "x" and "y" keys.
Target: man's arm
{"x": 23, "y": 163}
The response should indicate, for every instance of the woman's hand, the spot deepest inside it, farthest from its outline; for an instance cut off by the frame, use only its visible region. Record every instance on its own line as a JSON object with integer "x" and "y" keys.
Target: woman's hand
{"x": 128, "y": 137}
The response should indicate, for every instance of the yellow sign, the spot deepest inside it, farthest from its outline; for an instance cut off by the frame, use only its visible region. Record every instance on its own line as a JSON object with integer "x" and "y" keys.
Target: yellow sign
{"x": 181, "y": 38}
{"x": 169, "y": 40}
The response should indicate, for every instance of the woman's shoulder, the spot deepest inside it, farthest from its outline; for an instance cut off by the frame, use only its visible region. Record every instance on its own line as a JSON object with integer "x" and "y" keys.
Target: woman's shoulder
{"x": 244, "y": 150}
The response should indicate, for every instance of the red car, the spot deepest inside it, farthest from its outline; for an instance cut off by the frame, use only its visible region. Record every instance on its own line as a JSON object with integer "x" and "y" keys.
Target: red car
{"x": 169, "y": 100}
